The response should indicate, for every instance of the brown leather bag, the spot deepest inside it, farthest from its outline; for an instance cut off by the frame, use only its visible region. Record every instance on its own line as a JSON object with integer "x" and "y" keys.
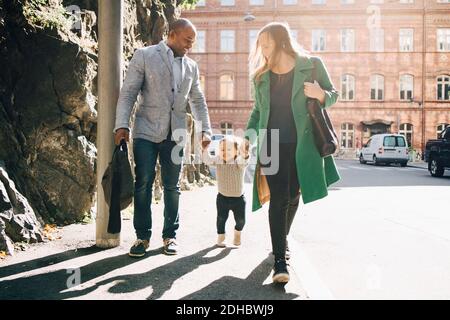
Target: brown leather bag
{"x": 262, "y": 186}
{"x": 325, "y": 136}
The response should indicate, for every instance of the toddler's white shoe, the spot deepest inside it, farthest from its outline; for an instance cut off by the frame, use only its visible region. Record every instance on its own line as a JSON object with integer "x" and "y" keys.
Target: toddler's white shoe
{"x": 237, "y": 238}
{"x": 221, "y": 240}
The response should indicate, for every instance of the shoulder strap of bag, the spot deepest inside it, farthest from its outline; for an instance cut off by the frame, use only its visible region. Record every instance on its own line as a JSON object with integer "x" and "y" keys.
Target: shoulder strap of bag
{"x": 314, "y": 70}
{"x": 325, "y": 113}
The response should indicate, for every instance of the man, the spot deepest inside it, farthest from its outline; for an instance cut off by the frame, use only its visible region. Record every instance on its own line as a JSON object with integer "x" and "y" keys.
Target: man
{"x": 166, "y": 81}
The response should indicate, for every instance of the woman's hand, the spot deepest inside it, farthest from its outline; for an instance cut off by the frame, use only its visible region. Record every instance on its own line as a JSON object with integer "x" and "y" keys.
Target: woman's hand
{"x": 244, "y": 148}
{"x": 313, "y": 90}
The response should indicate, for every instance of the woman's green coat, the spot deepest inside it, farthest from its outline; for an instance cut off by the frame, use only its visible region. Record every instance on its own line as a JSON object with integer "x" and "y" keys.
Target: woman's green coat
{"x": 314, "y": 173}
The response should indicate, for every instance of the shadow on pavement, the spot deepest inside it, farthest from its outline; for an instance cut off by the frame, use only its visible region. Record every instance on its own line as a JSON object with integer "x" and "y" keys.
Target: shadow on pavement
{"x": 49, "y": 286}
{"x": 250, "y": 288}
{"x": 162, "y": 278}
{"x": 46, "y": 261}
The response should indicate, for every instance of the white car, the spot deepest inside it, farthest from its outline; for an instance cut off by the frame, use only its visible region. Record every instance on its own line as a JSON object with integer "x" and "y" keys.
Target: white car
{"x": 213, "y": 147}
{"x": 385, "y": 148}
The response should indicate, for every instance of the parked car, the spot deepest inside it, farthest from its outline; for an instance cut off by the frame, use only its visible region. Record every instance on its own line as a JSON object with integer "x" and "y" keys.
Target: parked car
{"x": 437, "y": 154}
{"x": 214, "y": 145}
{"x": 385, "y": 148}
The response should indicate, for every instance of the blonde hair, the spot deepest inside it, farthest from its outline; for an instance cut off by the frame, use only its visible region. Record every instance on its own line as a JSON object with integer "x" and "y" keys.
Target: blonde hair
{"x": 280, "y": 33}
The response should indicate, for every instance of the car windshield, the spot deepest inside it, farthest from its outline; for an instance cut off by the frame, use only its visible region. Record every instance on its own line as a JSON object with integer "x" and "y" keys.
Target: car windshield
{"x": 217, "y": 137}
{"x": 446, "y": 134}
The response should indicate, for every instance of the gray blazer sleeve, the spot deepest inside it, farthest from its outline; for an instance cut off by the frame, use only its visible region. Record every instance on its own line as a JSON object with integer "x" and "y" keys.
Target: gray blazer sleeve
{"x": 198, "y": 105}
{"x": 130, "y": 90}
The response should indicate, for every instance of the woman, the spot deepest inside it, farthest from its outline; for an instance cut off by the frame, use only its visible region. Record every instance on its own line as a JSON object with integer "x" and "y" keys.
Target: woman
{"x": 282, "y": 78}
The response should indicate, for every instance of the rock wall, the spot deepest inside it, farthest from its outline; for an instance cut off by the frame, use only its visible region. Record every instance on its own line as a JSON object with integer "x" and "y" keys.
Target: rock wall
{"x": 48, "y": 105}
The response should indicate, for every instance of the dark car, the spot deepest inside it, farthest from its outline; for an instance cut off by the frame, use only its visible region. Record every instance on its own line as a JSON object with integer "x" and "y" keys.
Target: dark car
{"x": 437, "y": 154}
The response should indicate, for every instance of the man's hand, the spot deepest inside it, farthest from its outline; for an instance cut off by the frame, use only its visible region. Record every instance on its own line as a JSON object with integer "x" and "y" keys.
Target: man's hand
{"x": 120, "y": 134}
{"x": 206, "y": 140}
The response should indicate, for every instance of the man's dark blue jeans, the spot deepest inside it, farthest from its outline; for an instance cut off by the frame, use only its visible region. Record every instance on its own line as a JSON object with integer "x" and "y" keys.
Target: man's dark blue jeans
{"x": 145, "y": 156}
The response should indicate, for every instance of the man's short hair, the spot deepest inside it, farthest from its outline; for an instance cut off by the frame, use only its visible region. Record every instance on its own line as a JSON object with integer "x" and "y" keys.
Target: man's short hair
{"x": 180, "y": 24}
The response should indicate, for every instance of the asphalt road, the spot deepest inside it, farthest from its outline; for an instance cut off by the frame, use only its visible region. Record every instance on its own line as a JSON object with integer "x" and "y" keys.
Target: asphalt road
{"x": 382, "y": 233}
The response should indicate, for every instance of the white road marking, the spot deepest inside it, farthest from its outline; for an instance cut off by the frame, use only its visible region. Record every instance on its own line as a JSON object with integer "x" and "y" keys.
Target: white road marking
{"x": 310, "y": 280}
{"x": 359, "y": 168}
{"x": 382, "y": 168}
{"x": 415, "y": 168}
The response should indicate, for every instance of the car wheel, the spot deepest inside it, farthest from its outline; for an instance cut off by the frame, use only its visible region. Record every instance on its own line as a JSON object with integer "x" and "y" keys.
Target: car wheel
{"x": 375, "y": 160}
{"x": 404, "y": 164}
{"x": 361, "y": 159}
{"x": 436, "y": 169}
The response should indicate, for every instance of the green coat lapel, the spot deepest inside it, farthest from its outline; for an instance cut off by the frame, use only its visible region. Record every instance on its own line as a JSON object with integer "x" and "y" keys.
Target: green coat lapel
{"x": 303, "y": 67}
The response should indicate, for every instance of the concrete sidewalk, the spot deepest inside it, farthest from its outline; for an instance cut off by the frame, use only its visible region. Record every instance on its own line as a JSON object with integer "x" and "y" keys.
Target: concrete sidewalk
{"x": 200, "y": 271}
{"x": 419, "y": 164}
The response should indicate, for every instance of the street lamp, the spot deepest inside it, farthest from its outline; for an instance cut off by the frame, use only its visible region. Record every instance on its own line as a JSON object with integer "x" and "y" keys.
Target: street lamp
{"x": 249, "y": 17}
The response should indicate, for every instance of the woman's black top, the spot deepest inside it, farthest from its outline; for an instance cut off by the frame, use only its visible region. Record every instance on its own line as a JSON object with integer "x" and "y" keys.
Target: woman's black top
{"x": 281, "y": 116}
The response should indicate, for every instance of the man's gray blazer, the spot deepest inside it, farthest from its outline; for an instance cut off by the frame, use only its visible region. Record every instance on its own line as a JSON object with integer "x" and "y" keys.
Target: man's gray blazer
{"x": 159, "y": 106}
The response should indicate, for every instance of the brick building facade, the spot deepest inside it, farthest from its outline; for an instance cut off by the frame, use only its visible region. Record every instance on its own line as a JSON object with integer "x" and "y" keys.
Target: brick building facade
{"x": 390, "y": 61}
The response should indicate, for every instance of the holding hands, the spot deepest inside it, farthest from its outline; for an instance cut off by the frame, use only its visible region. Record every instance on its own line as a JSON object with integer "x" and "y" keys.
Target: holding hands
{"x": 244, "y": 148}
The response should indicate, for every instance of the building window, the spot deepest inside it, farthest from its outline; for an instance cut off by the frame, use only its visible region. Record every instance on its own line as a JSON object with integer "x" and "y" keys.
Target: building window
{"x": 376, "y": 1}
{"x": 347, "y": 135}
{"x": 347, "y": 1}
{"x": 252, "y": 37}
{"x": 227, "y": 40}
{"x": 443, "y": 87}
{"x": 289, "y": 2}
{"x": 318, "y": 40}
{"x": 376, "y": 87}
{"x": 406, "y": 40}
{"x": 406, "y": 1}
{"x": 347, "y": 40}
{"x": 200, "y": 42}
{"x": 226, "y": 87}
{"x": 443, "y": 1}
{"x": 406, "y": 87}
{"x": 319, "y": 1}
{"x": 200, "y": 3}
{"x": 377, "y": 40}
{"x": 347, "y": 87}
{"x": 443, "y": 39}
{"x": 226, "y": 128}
{"x": 294, "y": 35}
{"x": 406, "y": 129}
{"x": 202, "y": 83}
{"x": 226, "y": 3}
{"x": 256, "y": 2}
{"x": 441, "y": 127}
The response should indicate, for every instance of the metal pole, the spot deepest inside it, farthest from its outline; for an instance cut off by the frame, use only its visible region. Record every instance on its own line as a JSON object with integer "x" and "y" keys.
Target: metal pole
{"x": 424, "y": 75}
{"x": 109, "y": 82}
